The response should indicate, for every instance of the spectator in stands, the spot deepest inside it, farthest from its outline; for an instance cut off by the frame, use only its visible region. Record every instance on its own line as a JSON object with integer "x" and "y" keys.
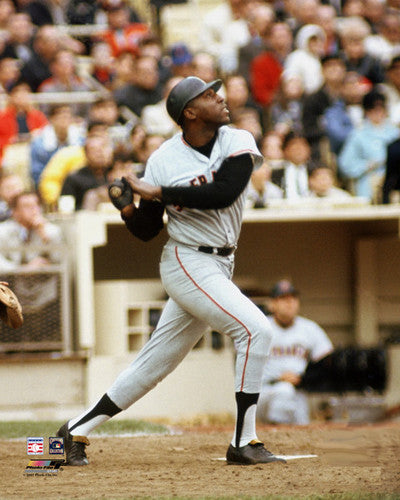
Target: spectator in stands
{"x": 390, "y": 88}
{"x": 46, "y": 44}
{"x": 224, "y": 29}
{"x": 286, "y": 111}
{"x": 102, "y": 69}
{"x": 136, "y": 139}
{"x": 297, "y": 341}
{"x": 327, "y": 19}
{"x": 105, "y": 110}
{"x": 21, "y": 30}
{"x": 352, "y": 8}
{"x": 99, "y": 157}
{"x": 261, "y": 190}
{"x": 124, "y": 69}
{"x": 9, "y": 73}
{"x": 386, "y": 43}
{"x": 305, "y": 61}
{"x": 204, "y": 66}
{"x": 181, "y": 58}
{"x": 65, "y": 161}
{"x": 122, "y": 34}
{"x": 316, "y": 103}
{"x": 261, "y": 20}
{"x": 304, "y": 12}
{"x": 267, "y": 67}
{"x": 322, "y": 183}
{"x": 27, "y": 226}
{"x": 151, "y": 45}
{"x": 363, "y": 156}
{"x": 150, "y": 143}
{"x": 345, "y": 113}
{"x": 60, "y": 132}
{"x": 64, "y": 78}
{"x": 247, "y": 118}
{"x": 122, "y": 166}
{"x": 19, "y": 119}
{"x": 271, "y": 149}
{"x": 237, "y": 94}
{"x": 145, "y": 89}
{"x": 353, "y": 32}
{"x": 11, "y": 185}
{"x": 155, "y": 117}
{"x": 292, "y": 177}
{"x": 7, "y": 9}
{"x": 374, "y": 11}
{"x": 391, "y": 184}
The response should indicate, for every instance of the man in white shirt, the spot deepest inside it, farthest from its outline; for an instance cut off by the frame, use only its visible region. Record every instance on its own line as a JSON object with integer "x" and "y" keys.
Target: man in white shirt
{"x": 297, "y": 340}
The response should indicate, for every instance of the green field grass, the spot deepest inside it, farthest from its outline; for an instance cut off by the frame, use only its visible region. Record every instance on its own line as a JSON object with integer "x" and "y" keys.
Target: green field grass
{"x": 23, "y": 429}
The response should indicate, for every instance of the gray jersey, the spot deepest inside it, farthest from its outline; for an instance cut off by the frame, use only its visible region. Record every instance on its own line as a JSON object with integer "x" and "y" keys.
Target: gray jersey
{"x": 175, "y": 163}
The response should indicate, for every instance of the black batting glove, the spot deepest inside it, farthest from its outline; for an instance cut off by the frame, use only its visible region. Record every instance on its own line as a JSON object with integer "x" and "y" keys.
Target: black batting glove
{"x": 125, "y": 197}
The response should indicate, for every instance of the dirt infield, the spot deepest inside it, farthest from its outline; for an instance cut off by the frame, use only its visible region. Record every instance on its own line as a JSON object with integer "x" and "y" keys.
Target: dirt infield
{"x": 362, "y": 459}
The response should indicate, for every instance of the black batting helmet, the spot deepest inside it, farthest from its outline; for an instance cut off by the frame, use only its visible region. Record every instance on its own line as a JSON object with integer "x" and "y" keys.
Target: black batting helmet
{"x": 186, "y": 90}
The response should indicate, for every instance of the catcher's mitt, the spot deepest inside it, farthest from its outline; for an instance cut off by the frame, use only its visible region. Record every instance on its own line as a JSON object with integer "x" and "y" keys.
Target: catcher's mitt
{"x": 10, "y": 308}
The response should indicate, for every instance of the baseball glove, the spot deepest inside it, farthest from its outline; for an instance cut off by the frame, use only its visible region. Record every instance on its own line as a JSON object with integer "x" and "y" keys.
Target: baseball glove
{"x": 121, "y": 193}
{"x": 10, "y": 308}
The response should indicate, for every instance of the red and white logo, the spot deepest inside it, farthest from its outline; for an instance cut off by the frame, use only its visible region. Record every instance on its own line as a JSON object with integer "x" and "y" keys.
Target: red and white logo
{"x": 35, "y": 446}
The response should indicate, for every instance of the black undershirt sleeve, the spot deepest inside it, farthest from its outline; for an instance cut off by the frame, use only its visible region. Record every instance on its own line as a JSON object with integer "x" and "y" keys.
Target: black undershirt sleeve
{"x": 146, "y": 221}
{"x": 229, "y": 182}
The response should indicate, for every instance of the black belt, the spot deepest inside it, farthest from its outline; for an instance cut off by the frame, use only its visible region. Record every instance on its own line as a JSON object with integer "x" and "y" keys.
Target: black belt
{"x": 222, "y": 251}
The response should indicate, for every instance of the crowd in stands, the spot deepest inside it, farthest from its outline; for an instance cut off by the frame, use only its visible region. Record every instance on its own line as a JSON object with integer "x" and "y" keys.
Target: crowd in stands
{"x": 316, "y": 82}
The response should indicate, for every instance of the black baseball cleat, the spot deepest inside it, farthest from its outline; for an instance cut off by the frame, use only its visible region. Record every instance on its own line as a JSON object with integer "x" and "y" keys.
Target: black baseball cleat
{"x": 252, "y": 453}
{"x": 74, "y": 446}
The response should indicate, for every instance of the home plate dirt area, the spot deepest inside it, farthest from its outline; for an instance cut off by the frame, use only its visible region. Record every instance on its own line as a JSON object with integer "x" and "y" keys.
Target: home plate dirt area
{"x": 190, "y": 463}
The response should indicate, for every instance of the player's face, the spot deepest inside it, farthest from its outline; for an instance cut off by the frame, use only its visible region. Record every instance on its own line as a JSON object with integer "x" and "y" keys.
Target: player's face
{"x": 210, "y": 107}
{"x": 285, "y": 309}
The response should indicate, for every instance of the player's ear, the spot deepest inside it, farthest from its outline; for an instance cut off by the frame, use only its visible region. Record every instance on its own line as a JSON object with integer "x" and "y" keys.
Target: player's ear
{"x": 190, "y": 113}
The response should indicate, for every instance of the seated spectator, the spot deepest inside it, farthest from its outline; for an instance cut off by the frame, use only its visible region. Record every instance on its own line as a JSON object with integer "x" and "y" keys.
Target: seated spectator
{"x": 60, "y": 132}
{"x": 46, "y": 44}
{"x": 271, "y": 149}
{"x": 105, "y": 111}
{"x": 122, "y": 35}
{"x": 352, "y": 32}
{"x": 122, "y": 166}
{"x": 152, "y": 46}
{"x": 19, "y": 119}
{"x": 305, "y": 61}
{"x": 321, "y": 183}
{"x": 363, "y": 156}
{"x": 223, "y": 30}
{"x": 150, "y": 143}
{"x": 155, "y": 117}
{"x": 390, "y": 88}
{"x": 297, "y": 341}
{"x": 7, "y": 9}
{"x": 62, "y": 163}
{"x": 247, "y": 118}
{"x": 136, "y": 139}
{"x": 27, "y": 226}
{"x": 261, "y": 20}
{"x": 180, "y": 57}
{"x": 316, "y": 103}
{"x": 145, "y": 88}
{"x": 204, "y": 66}
{"x": 64, "y": 78}
{"x": 102, "y": 69}
{"x": 286, "y": 111}
{"x": 10, "y": 186}
{"x": 124, "y": 66}
{"x": 266, "y": 68}
{"x": 237, "y": 94}
{"x": 327, "y": 19}
{"x": 261, "y": 190}
{"x": 292, "y": 177}
{"x": 9, "y": 73}
{"x": 99, "y": 157}
{"x": 19, "y": 43}
{"x": 345, "y": 113}
{"x": 386, "y": 43}
{"x": 391, "y": 184}
{"x": 374, "y": 11}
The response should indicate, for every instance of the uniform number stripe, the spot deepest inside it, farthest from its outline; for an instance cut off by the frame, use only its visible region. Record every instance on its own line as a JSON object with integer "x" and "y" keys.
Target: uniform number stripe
{"x": 222, "y": 309}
